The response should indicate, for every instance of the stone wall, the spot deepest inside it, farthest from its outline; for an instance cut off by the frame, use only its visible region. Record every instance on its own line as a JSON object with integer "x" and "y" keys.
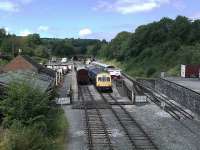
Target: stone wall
{"x": 182, "y": 95}
{"x": 150, "y": 83}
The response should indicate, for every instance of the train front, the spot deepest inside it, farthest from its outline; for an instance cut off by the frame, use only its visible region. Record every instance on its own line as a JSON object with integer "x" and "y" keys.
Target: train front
{"x": 104, "y": 82}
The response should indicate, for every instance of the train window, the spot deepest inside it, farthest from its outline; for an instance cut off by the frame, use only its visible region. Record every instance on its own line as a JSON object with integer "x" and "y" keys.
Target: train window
{"x": 110, "y": 67}
{"x": 104, "y": 79}
{"x": 99, "y": 78}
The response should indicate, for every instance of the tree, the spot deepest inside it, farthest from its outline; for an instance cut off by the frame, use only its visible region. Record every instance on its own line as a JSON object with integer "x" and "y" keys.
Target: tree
{"x": 7, "y": 46}
{"x": 117, "y": 45}
{"x": 2, "y": 35}
{"x": 157, "y": 46}
{"x": 194, "y": 35}
{"x": 41, "y": 51}
{"x": 26, "y": 104}
{"x": 63, "y": 49}
{"x": 181, "y": 28}
{"x": 33, "y": 40}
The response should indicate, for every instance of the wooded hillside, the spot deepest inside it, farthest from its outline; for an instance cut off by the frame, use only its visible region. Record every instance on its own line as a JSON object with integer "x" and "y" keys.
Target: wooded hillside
{"x": 155, "y": 47}
{"x": 40, "y": 48}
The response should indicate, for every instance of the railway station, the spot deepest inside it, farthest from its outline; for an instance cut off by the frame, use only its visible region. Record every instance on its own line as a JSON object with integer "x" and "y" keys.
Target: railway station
{"x": 100, "y": 75}
{"x": 134, "y": 115}
{"x": 108, "y": 109}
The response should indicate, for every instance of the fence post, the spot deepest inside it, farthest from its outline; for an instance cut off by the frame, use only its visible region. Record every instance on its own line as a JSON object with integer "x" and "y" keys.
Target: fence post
{"x": 71, "y": 94}
{"x": 132, "y": 96}
{"x": 56, "y": 78}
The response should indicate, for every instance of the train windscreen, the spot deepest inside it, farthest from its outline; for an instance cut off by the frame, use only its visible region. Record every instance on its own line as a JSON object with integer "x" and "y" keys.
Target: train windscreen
{"x": 104, "y": 79}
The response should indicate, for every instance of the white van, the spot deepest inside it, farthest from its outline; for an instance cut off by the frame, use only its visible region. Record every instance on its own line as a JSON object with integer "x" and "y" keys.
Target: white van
{"x": 64, "y": 60}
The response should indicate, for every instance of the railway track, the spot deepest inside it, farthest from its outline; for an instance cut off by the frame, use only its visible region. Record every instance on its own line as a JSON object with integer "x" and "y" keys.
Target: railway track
{"x": 97, "y": 133}
{"x": 137, "y": 137}
{"x": 171, "y": 108}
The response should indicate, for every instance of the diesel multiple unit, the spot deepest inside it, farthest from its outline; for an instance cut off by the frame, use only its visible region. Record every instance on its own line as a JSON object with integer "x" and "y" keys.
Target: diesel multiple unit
{"x": 95, "y": 75}
{"x": 114, "y": 72}
{"x": 100, "y": 78}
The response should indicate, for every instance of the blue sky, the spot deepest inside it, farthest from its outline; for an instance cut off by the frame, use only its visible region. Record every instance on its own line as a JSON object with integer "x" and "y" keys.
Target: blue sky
{"x": 88, "y": 18}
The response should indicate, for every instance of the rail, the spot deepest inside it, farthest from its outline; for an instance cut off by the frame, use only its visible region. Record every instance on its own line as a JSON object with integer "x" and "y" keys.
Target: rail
{"x": 137, "y": 137}
{"x": 97, "y": 132}
{"x": 174, "y": 110}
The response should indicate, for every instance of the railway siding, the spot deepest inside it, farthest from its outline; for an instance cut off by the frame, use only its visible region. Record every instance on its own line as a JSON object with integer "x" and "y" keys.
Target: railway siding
{"x": 120, "y": 130}
{"x": 162, "y": 98}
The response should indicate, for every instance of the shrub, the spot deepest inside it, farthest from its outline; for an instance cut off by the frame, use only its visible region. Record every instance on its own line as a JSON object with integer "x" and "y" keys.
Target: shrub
{"x": 150, "y": 72}
{"x": 24, "y": 103}
{"x": 33, "y": 122}
{"x": 27, "y": 138}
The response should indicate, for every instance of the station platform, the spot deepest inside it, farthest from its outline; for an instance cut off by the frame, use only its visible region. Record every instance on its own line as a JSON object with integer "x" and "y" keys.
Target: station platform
{"x": 190, "y": 83}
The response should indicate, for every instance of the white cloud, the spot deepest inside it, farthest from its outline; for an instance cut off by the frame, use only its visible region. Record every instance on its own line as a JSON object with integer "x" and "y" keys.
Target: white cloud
{"x": 195, "y": 16}
{"x": 9, "y": 6}
{"x": 43, "y": 28}
{"x": 25, "y": 32}
{"x": 85, "y": 32}
{"x": 137, "y": 8}
{"x": 13, "y": 5}
{"x": 130, "y": 6}
{"x": 7, "y": 30}
{"x": 103, "y": 35}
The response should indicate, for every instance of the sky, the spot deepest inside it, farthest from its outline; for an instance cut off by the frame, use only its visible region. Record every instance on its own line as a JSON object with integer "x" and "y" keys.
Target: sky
{"x": 93, "y": 19}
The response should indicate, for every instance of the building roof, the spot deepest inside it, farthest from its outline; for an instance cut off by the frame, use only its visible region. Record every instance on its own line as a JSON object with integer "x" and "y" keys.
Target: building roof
{"x": 38, "y": 67}
{"x": 44, "y": 82}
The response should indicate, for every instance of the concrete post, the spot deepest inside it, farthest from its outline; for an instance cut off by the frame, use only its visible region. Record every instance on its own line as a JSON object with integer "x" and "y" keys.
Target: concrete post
{"x": 71, "y": 94}
{"x": 132, "y": 96}
{"x": 59, "y": 76}
{"x": 56, "y": 78}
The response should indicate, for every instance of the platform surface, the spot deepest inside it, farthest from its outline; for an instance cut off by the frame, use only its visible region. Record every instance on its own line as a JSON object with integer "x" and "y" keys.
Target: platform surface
{"x": 190, "y": 83}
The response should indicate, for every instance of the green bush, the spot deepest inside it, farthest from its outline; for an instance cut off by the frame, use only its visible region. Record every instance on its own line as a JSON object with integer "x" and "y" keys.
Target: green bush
{"x": 33, "y": 122}
{"x": 24, "y": 103}
{"x": 150, "y": 72}
{"x": 27, "y": 138}
{"x": 175, "y": 71}
{"x": 3, "y": 62}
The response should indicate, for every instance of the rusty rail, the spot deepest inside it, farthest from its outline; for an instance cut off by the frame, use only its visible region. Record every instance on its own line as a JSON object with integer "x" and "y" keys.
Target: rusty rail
{"x": 138, "y": 138}
{"x": 97, "y": 132}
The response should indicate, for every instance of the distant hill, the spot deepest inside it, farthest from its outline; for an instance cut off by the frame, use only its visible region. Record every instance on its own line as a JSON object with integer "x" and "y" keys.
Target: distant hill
{"x": 41, "y": 48}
